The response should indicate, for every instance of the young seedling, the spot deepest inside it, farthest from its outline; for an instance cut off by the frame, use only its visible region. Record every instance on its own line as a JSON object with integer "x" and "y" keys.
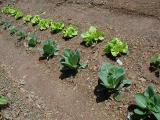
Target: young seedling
{"x": 3, "y": 101}
{"x": 92, "y": 36}
{"x": 35, "y": 20}
{"x": 44, "y": 24}
{"x": 116, "y": 47}
{"x": 70, "y": 32}
{"x": 32, "y": 40}
{"x": 155, "y": 64}
{"x": 57, "y": 27}
{"x": 71, "y": 61}
{"x": 6, "y": 25}
{"x": 147, "y": 104}
{"x": 27, "y": 18}
{"x": 12, "y": 30}
{"x": 50, "y": 49}
{"x": 21, "y": 35}
{"x": 112, "y": 79}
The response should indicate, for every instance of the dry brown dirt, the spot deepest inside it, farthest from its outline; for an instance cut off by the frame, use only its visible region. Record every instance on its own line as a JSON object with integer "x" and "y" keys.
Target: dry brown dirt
{"x": 136, "y": 22}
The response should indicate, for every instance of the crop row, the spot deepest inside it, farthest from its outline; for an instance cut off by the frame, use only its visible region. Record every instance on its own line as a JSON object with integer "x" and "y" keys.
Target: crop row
{"x": 112, "y": 78}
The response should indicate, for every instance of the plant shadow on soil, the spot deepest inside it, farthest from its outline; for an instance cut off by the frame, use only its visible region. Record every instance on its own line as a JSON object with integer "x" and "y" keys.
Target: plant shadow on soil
{"x": 135, "y": 116}
{"x": 153, "y": 68}
{"x": 67, "y": 74}
{"x": 101, "y": 93}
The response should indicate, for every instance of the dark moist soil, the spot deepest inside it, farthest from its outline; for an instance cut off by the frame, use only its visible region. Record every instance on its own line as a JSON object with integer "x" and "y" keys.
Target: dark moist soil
{"x": 73, "y": 98}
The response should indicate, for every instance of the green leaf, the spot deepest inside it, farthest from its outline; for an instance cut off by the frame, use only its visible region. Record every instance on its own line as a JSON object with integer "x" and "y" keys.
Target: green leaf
{"x": 57, "y": 27}
{"x": 116, "y": 47}
{"x": 70, "y": 32}
{"x": 71, "y": 60}
{"x": 157, "y": 115}
{"x": 150, "y": 91}
{"x": 35, "y": 20}
{"x": 50, "y": 48}
{"x": 127, "y": 83}
{"x": 118, "y": 96}
{"x": 139, "y": 111}
{"x": 32, "y": 41}
{"x": 27, "y": 18}
{"x": 156, "y": 59}
{"x": 3, "y": 101}
{"x": 141, "y": 100}
{"x": 92, "y": 36}
{"x": 44, "y": 24}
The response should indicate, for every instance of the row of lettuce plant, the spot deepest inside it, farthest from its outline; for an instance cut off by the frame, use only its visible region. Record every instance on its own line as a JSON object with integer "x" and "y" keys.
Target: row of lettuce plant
{"x": 91, "y": 37}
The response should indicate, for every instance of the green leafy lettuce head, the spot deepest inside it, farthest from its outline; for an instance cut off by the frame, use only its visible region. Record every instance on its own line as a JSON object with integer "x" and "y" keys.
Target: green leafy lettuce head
{"x": 70, "y": 32}
{"x": 57, "y": 27}
{"x": 92, "y": 36}
{"x": 115, "y": 47}
{"x": 35, "y": 20}
{"x": 27, "y": 18}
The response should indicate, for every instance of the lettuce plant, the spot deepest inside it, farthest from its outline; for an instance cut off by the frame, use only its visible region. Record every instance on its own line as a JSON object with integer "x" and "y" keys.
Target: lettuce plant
{"x": 18, "y": 14}
{"x": 71, "y": 60}
{"x": 12, "y": 30}
{"x": 9, "y": 10}
{"x": 35, "y": 20}
{"x": 21, "y": 35}
{"x": 3, "y": 101}
{"x": 50, "y": 49}
{"x": 70, "y": 32}
{"x": 112, "y": 78}
{"x": 115, "y": 47}
{"x": 13, "y": 12}
{"x": 27, "y": 18}
{"x": 92, "y": 36}
{"x": 147, "y": 103}
{"x": 57, "y": 27}
{"x": 32, "y": 40}
{"x": 44, "y": 24}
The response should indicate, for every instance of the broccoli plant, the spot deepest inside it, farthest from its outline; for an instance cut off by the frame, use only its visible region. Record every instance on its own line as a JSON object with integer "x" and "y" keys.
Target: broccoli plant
{"x": 35, "y": 20}
{"x": 116, "y": 47}
{"x": 112, "y": 78}
{"x": 57, "y": 27}
{"x": 44, "y": 24}
{"x": 3, "y": 101}
{"x": 92, "y": 36}
{"x": 147, "y": 104}
{"x": 50, "y": 49}
{"x": 21, "y": 35}
{"x": 27, "y": 18}
{"x": 70, "y": 32}
{"x": 12, "y": 30}
{"x": 155, "y": 64}
{"x": 71, "y": 60}
{"x": 32, "y": 40}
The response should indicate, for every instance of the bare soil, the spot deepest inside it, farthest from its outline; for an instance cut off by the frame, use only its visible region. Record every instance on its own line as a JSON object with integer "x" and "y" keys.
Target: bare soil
{"x": 73, "y": 98}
